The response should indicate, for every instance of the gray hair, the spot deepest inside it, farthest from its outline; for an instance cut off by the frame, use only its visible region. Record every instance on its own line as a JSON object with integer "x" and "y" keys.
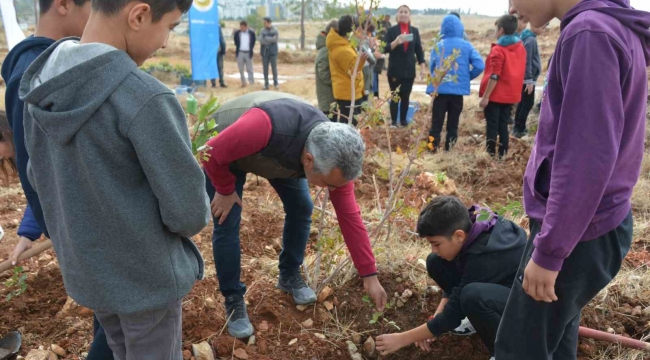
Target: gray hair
{"x": 334, "y": 24}
{"x": 336, "y": 145}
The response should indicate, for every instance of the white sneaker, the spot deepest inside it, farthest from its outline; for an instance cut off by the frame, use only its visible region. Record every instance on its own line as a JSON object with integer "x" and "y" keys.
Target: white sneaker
{"x": 465, "y": 329}
{"x": 492, "y": 358}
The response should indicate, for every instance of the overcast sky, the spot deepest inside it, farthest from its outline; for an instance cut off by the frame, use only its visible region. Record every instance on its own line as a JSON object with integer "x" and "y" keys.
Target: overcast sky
{"x": 485, "y": 7}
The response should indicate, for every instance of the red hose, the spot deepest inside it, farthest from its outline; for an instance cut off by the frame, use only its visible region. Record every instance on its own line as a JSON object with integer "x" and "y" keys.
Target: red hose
{"x": 615, "y": 339}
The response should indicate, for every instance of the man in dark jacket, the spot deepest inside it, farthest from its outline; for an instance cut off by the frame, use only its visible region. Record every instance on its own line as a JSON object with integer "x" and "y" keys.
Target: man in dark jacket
{"x": 220, "y": 55}
{"x": 533, "y": 70}
{"x": 244, "y": 46}
{"x": 269, "y": 41}
{"x": 57, "y": 20}
{"x": 475, "y": 257}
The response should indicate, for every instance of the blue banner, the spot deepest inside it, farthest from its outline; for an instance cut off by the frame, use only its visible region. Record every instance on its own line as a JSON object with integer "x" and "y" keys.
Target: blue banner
{"x": 204, "y": 39}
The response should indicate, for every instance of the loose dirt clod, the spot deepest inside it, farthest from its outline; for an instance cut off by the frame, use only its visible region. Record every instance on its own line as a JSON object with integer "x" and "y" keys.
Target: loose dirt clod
{"x": 187, "y": 355}
{"x": 240, "y": 354}
{"x": 57, "y": 350}
{"x": 325, "y": 293}
{"x": 369, "y": 347}
{"x": 328, "y": 305}
{"x": 308, "y": 324}
{"x": 263, "y": 326}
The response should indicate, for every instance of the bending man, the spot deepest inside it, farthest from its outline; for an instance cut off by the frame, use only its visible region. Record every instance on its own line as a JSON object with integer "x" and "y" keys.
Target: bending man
{"x": 288, "y": 141}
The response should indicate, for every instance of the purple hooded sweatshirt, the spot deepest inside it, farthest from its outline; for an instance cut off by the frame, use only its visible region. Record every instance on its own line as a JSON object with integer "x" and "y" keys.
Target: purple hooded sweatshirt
{"x": 590, "y": 141}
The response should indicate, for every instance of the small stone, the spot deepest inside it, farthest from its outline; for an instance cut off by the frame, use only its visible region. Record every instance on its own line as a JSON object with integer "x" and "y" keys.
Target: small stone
{"x": 398, "y": 280}
{"x": 646, "y": 311}
{"x": 57, "y": 350}
{"x": 202, "y": 351}
{"x": 240, "y": 354}
{"x": 352, "y": 349}
{"x": 187, "y": 355}
{"x": 323, "y": 315}
{"x": 71, "y": 331}
{"x": 301, "y": 349}
{"x": 610, "y": 330}
{"x": 308, "y": 324}
{"x": 210, "y": 303}
{"x": 406, "y": 295}
{"x": 302, "y": 307}
{"x": 52, "y": 356}
{"x": 325, "y": 293}
{"x": 263, "y": 326}
{"x": 400, "y": 304}
{"x": 431, "y": 290}
{"x": 637, "y": 311}
{"x": 328, "y": 305}
{"x": 405, "y": 274}
{"x": 356, "y": 357}
{"x": 38, "y": 354}
{"x": 251, "y": 340}
{"x": 320, "y": 336}
{"x": 369, "y": 347}
{"x": 356, "y": 338}
{"x": 293, "y": 342}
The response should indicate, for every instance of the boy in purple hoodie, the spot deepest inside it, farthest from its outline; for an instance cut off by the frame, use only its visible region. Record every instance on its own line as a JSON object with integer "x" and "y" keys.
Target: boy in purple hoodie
{"x": 583, "y": 167}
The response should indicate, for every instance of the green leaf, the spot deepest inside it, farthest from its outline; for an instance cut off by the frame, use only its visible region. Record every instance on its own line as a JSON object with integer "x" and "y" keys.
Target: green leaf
{"x": 366, "y": 298}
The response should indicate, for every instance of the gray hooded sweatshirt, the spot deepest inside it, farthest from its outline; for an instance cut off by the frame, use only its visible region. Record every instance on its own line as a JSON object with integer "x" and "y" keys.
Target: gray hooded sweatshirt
{"x": 110, "y": 158}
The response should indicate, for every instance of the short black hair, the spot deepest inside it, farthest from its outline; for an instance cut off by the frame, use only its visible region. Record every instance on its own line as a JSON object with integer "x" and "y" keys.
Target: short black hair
{"x": 346, "y": 24}
{"x": 443, "y": 216}
{"x": 243, "y": 22}
{"x": 45, "y": 5}
{"x": 158, "y": 7}
{"x": 455, "y": 14}
{"x": 268, "y": 20}
{"x": 509, "y": 24}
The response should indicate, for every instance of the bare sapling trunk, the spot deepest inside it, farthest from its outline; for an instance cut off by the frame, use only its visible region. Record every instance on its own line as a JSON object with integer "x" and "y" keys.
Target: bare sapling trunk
{"x": 302, "y": 24}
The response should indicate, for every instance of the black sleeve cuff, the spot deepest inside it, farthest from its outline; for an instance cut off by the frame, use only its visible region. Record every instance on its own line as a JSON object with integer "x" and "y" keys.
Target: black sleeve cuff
{"x": 369, "y": 275}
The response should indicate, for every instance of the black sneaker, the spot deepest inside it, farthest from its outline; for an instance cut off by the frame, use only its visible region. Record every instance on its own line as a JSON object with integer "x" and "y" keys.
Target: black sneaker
{"x": 239, "y": 325}
{"x": 296, "y": 286}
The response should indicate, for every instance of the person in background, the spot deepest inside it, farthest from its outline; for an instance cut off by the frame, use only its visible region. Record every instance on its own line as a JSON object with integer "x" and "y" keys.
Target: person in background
{"x": 583, "y": 168}
{"x": 58, "y": 19}
{"x": 533, "y": 70}
{"x": 474, "y": 259}
{"x": 107, "y": 135}
{"x": 405, "y": 48}
{"x": 449, "y": 101}
{"x": 369, "y": 44}
{"x": 244, "y": 49}
{"x": 343, "y": 58}
{"x": 324, "y": 91}
{"x": 269, "y": 48}
{"x": 220, "y": 56}
{"x": 501, "y": 84}
{"x": 385, "y": 24}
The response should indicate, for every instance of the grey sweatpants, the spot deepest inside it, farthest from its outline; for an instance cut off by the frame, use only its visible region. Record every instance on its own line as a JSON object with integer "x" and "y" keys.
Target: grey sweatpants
{"x": 244, "y": 59}
{"x": 147, "y": 335}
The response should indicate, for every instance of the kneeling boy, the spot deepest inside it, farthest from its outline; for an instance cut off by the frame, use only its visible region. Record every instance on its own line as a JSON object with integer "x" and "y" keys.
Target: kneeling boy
{"x": 474, "y": 262}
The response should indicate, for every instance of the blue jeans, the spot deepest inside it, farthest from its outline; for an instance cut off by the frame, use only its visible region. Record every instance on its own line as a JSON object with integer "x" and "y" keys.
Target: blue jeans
{"x": 226, "y": 246}
{"x": 375, "y": 83}
{"x": 99, "y": 349}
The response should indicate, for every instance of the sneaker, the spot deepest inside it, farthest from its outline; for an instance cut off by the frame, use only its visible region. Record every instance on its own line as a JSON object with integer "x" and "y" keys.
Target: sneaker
{"x": 465, "y": 329}
{"x": 519, "y": 134}
{"x": 276, "y": 87}
{"x": 239, "y": 325}
{"x": 223, "y": 86}
{"x": 492, "y": 358}
{"x": 393, "y": 126}
{"x": 294, "y": 284}
{"x": 266, "y": 87}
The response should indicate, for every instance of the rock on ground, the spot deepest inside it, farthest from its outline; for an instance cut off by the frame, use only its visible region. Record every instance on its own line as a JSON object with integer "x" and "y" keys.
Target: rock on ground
{"x": 369, "y": 346}
{"x": 203, "y": 351}
{"x": 325, "y": 293}
{"x": 240, "y": 354}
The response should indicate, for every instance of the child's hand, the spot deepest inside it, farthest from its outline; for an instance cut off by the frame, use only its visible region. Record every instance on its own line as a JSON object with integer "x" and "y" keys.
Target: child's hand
{"x": 484, "y": 103}
{"x": 23, "y": 245}
{"x": 389, "y": 343}
{"x": 530, "y": 88}
{"x": 424, "y": 345}
{"x": 539, "y": 283}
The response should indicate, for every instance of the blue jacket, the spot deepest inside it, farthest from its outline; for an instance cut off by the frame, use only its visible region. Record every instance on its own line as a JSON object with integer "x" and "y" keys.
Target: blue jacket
{"x": 13, "y": 68}
{"x": 470, "y": 63}
{"x": 29, "y": 226}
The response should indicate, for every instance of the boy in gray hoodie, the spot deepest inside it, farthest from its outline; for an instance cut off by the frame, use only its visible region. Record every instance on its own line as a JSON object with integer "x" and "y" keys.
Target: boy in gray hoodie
{"x": 120, "y": 188}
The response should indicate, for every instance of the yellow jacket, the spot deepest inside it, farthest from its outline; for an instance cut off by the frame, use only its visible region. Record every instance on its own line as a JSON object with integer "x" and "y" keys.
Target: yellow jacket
{"x": 342, "y": 60}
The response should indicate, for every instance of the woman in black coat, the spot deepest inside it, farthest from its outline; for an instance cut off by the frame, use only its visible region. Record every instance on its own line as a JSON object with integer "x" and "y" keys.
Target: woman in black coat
{"x": 401, "y": 64}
